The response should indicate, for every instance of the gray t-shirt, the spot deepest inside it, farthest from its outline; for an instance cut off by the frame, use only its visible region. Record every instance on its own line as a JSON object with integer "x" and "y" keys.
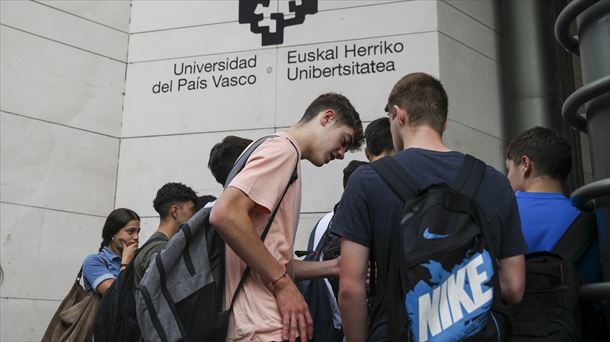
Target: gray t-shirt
{"x": 142, "y": 260}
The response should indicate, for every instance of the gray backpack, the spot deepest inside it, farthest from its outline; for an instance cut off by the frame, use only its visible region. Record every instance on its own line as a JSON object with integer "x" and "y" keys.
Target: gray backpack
{"x": 180, "y": 297}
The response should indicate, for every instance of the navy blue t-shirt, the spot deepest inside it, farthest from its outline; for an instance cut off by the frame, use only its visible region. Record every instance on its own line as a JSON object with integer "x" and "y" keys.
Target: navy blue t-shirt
{"x": 369, "y": 208}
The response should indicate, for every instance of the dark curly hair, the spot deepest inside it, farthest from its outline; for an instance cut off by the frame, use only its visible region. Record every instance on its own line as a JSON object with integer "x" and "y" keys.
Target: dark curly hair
{"x": 170, "y": 194}
{"x": 346, "y": 114}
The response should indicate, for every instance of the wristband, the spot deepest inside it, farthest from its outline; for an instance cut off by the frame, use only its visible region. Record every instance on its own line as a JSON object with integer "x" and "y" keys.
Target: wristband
{"x": 278, "y": 279}
{"x": 124, "y": 265}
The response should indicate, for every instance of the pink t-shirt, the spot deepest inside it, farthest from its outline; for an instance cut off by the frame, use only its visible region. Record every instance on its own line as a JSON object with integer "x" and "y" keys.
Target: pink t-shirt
{"x": 255, "y": 315}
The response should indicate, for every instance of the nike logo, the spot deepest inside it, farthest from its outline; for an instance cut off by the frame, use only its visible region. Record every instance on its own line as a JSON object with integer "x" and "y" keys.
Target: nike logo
{"x": 430, "y": 236}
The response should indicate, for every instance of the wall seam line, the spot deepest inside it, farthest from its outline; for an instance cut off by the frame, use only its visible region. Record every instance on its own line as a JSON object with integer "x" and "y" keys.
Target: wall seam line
{"x": 63, "y": 43}
{"x": 51, "y": 209}
{"x": 59, "y": 124}
{"x": 471, "y": 17}
{"x": 78, "y": 16}
{"x": 470, "y": 48}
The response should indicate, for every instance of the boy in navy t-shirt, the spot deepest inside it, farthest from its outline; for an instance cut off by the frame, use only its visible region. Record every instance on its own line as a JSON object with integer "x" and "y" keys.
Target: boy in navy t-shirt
{"x": 417, "y": 110}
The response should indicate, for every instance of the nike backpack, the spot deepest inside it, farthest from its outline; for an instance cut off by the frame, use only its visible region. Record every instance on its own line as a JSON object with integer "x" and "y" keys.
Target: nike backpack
{"x": 441, "y": 281}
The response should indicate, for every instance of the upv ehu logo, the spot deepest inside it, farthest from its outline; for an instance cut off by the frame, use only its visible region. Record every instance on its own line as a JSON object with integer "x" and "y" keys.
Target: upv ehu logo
{"x": 270, "y": 23}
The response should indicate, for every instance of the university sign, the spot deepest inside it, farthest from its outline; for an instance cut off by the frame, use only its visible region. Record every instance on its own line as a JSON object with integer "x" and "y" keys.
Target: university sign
{"x": 269, "y": 23}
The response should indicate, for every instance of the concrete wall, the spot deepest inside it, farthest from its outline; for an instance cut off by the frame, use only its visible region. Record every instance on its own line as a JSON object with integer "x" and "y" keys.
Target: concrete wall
{"x": 61, "y": 96}
{"x": 74, "y": 147}
{"x": 183, "y": 124}
{"x": 454, "y": 40}
{"x": 470, "y": 69}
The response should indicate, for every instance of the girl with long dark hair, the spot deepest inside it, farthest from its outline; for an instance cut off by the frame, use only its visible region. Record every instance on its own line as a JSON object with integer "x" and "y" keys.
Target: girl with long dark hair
{"x": 120, "y": 237}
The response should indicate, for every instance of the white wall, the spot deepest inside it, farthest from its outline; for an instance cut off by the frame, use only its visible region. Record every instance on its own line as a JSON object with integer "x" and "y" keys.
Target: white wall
{"x": 470, "y": 69}
{"x": 61, "y": 96}
{"x": 83, "y": 132}
{"x": 165, "y": 124}
{"x": 454, "y": 40}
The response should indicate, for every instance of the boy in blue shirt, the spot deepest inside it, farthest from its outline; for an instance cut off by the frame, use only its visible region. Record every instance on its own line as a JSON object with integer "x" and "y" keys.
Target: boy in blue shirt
{"x": 538, "y": 162}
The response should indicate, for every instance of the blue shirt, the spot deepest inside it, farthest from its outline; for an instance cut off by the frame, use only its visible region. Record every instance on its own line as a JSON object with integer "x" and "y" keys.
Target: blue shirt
{"x": 369, "y": 208}
{"x": 99, "y": 267}
{"x": 545, "y": 217}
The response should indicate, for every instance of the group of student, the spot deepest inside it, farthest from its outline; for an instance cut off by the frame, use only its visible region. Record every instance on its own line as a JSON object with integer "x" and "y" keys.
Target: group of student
{"x": 270, "y": 306}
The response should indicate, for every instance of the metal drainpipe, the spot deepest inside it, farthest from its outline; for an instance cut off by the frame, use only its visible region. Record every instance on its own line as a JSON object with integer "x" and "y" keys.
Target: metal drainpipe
{"x": 538, "y": 75}
{"x": 532, "y": 75}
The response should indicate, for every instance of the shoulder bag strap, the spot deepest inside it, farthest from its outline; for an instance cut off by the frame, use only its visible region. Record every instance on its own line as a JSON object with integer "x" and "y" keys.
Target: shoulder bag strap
{"x": 396, "y": 177}
{"x": 577, "y": 237}
{"x": 470, "y": 176}
{"x": 293, "y": 178}
{"x": 243, "y": 158}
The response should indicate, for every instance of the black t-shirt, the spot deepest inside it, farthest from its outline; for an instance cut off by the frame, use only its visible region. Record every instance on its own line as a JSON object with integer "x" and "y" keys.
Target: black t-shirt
{"x": 369, "y": 208}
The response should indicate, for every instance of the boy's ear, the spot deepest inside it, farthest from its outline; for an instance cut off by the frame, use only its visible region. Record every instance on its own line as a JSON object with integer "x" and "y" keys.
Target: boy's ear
{"x": 401, "y": 113}
{"x": 173, "y": 211}
{"x": 526, "y": 162}
{"x": 328, "y": 116}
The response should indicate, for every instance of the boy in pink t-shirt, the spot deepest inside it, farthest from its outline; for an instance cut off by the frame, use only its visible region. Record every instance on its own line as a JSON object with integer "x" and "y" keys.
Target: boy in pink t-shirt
{"x": 269, "y": 306}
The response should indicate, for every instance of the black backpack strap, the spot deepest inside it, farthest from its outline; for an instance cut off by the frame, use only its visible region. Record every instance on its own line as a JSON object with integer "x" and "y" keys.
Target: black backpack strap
{"x": 470, "y": 176}
{"x": 293, "y": 177}
{"x": 576, "y": 239}
{"x": 396, "y": 177}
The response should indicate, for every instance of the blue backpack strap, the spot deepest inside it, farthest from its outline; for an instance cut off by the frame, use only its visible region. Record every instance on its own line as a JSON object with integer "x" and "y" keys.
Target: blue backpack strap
{"x": 396, "y": 177}
{"x": 470, "y": 176}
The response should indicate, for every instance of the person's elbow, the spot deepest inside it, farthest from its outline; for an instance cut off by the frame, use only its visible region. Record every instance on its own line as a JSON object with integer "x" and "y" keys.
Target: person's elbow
{"x": 513, "y": 292}
{"x": 512, "y": 278}
{"x": 350, "y": 290}
{"x": 218, "y": 217}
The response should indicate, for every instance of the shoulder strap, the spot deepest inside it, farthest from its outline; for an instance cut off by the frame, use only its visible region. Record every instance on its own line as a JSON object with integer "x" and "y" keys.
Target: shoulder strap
{"x": 470, "y": 176}
{"x": 577, "y": 237}
{"x": 79, "y": 275}
{"x": 148, "y": 242}
{"x": 293, "y": 177}
{"x": 323, "y": 239}
{"x": 243, "y": 158}
{"x": 312, "y": 236}
{"x": 396, "y": 177}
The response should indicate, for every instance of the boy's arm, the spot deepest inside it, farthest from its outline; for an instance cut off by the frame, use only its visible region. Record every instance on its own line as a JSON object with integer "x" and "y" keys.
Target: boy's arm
{"x": 230, "y": 217}
{"x": 352, "y": 290}
{"x": 305, "y": 270}
{"x": 512, "y": 278}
